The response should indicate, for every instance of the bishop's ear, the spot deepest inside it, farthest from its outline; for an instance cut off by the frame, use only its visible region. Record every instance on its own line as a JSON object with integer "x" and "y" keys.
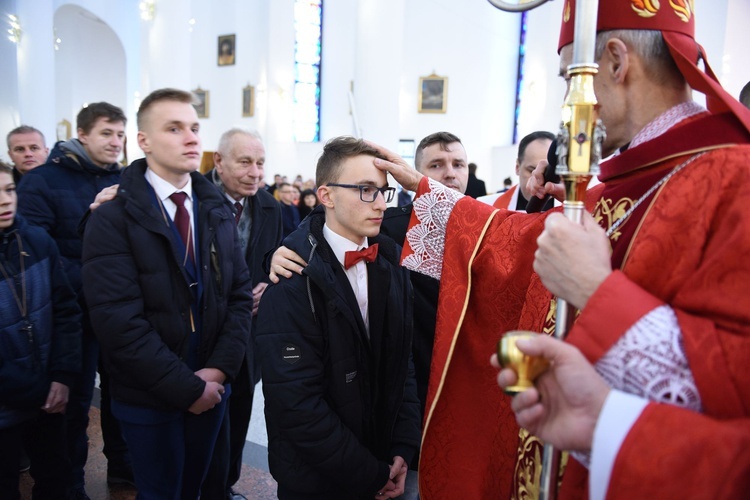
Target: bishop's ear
{"x": 615, "y": 59}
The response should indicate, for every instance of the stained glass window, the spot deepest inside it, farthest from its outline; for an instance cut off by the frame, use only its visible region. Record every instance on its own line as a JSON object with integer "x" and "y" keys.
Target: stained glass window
{"x": 519, "y": 80}
{"x": 308, "y": 20}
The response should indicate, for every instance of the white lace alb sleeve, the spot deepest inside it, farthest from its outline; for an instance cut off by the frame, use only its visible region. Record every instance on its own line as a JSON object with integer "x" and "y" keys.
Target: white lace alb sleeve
{"x": 649, "y": 361}
{"x": 427, "y": 237}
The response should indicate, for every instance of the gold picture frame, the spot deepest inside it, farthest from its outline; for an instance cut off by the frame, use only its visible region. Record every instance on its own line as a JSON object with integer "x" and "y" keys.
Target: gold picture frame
{"x": 63, "y": 130}
{"x": 201, "y": 103}
{"x": 226, "y": 50}
{"x": 248, "y": 101}
{"x": 433, "y": 94}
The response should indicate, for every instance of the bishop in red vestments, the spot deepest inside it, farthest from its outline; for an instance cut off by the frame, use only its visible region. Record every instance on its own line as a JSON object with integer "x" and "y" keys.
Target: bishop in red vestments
{"x": 663, "y": 294}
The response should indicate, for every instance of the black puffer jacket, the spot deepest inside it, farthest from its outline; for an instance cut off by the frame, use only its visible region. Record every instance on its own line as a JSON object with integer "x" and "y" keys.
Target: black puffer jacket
{"x": 338, "y": 407}
{"x": 139, "y": 296}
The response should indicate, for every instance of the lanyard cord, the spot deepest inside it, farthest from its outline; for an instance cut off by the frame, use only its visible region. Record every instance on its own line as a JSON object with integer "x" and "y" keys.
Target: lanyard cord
{"x": 20, "y": 301}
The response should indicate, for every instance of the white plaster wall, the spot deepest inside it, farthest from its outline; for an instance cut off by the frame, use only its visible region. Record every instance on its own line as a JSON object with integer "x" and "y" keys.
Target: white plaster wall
{"x": 90, "y": 62}
{"x": 470, "y": 42}
{"x": 9, "y": 113}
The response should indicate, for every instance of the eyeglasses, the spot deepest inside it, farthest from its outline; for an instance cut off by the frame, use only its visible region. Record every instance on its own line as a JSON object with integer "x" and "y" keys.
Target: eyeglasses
{"x": 368, "y": 193}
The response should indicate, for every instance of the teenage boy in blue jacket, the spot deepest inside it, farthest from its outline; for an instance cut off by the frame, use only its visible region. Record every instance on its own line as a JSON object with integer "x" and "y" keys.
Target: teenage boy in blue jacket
{"x": 40, "y": 352}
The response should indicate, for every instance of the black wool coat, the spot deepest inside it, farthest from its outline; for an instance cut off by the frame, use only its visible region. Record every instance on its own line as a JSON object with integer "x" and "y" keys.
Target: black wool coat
{"x": 339, "y": 407}
{"x": 140, "y": 296}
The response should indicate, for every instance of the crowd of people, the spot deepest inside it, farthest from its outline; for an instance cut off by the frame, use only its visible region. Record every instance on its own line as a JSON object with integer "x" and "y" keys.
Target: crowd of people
{"x": 373, "y": 326}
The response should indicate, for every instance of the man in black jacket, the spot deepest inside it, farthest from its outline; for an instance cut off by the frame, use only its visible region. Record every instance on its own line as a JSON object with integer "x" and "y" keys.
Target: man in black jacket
{"x": 440, "y": 156}
{"x": 169, "y": 293}
{"x": 240, "y": 160}
{"x": 341, "y": 406}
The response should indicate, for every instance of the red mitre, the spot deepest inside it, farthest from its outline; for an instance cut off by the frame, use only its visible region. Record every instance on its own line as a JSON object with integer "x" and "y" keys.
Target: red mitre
{"x": 676, "y": 21}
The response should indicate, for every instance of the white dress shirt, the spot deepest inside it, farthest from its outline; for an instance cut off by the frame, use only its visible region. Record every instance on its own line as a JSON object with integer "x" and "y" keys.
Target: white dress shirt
{"x": 164, "y": 190}
{"x": 357, "y": 274}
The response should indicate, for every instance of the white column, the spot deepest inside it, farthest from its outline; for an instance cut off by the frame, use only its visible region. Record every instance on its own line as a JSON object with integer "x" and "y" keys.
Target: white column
{"x": 378, "y": 68}
{"x": 36, "y": 63}
{"x": 167, "y": 50}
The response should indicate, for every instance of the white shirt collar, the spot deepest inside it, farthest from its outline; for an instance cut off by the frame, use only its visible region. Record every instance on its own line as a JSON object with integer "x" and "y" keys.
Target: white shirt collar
{"x": 241, "y": 201}
{"x": 164, "y": 189}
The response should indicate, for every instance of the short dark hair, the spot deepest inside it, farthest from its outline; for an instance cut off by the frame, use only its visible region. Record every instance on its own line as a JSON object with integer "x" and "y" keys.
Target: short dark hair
{"x": 24, "y": 129}
{"x": 442, "y": 138}
{"x": 89, "y": 115}
{"x": 507, "y": 181}
{"x": 534, "y": 136}
{"x": 166, "y": 94}
{"x": 745, "y": 95}
{"x": 335, "y": 152}
{"x": 5, "y": 168}
{"x": 282, "y": 186}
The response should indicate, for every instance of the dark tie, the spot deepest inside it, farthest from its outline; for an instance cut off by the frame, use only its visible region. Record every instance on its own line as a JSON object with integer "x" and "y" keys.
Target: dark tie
{"x": 367, "y": 254}
{"x": 237, "y": 212}
{"x": 182, "y": 221}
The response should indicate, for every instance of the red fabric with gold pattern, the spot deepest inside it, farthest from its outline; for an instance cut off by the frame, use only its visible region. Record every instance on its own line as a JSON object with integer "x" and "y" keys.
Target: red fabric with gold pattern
{"x": 503, "y": 200}
{"x": 682, "y": 454}
{"x": 468, "y": 416}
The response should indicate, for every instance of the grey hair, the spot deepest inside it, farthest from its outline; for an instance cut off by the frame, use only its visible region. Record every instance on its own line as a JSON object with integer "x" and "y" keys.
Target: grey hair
{"x": 24, "y": 129}
{"x": 650, "y": 47}
{"x": 226, "y": 138}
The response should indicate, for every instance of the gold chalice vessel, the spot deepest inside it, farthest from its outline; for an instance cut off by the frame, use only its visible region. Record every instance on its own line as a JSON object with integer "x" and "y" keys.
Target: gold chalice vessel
{"x": 528, "y": 368}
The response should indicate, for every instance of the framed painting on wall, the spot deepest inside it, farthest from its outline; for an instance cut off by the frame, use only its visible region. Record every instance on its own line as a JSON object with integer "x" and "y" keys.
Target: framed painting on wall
{"x": 201, "y": 102}
{"x": 433, "y": 94}
{"x": 248, "y": 101}
{"x": 226, "y": 50}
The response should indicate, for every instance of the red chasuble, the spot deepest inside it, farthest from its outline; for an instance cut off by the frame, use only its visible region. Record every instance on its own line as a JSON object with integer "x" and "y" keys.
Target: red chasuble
{"x": 686, "y": 245}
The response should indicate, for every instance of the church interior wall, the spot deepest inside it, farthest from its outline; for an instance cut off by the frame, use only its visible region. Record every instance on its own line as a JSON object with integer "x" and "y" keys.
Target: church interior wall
{"x": 375, "y": 49}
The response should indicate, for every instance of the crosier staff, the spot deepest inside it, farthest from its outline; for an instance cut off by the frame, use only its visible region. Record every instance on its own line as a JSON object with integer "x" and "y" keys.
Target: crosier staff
{"x": 579, "y": 151}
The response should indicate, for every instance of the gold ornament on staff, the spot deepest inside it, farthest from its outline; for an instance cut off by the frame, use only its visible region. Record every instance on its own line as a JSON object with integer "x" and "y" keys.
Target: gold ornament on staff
{"x": 579, "y": 152}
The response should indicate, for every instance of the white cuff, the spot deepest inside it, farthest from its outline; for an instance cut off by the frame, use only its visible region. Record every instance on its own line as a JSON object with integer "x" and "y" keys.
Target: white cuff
{"x": 619, "y": 413}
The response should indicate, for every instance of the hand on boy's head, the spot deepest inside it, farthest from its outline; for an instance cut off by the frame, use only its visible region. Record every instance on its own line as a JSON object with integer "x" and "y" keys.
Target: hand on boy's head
{"x": 396, "y": 166}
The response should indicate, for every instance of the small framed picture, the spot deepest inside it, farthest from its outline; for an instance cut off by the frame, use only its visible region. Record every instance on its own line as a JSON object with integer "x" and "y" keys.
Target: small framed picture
{"x": 226, "y": 50}
{"x": 433, "y": 94}
{"x": 201, "y": 102}
{"x": 248, "y": 101}
{"x": 63, "y": 130}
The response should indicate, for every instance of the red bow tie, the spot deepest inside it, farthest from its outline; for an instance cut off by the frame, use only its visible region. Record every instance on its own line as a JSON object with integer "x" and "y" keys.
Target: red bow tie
{"x": 367, "y": 254}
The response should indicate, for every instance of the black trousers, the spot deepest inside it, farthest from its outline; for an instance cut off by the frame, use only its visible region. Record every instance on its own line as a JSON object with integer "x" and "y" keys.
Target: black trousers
{"x": 43, "y": 437}
{"x": 226, "y": 463}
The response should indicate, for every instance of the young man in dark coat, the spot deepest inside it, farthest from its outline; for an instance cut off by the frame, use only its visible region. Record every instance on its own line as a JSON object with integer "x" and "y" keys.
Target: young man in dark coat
{"x": 55, "y": 196}
{"x": 169, "y": 294}
{"x": 341, "y": 406}
{"x": 40, "y": 352}
{"x": 240, "y": 160}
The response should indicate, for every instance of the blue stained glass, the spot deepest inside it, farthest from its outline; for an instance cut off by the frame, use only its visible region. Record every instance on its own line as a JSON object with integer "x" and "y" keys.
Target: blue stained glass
{"x": 308, "y": 17}
{"x": 519, "y": 77}
{"x": 307, "y": 73}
